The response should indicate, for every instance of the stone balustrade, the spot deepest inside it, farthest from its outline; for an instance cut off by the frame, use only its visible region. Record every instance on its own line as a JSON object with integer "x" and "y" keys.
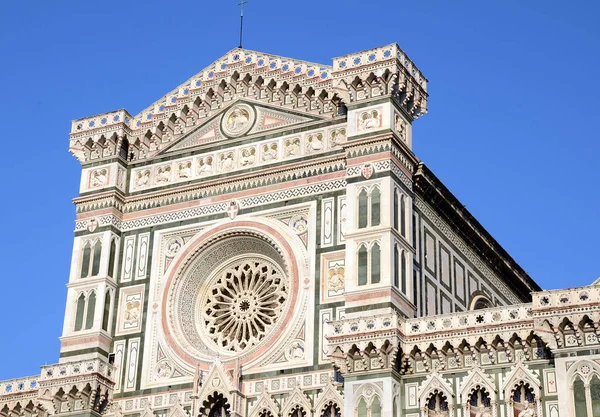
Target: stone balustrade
{"x": 71, "y": 369}
{"x": 19, "y": 385}
{"x": 566, "y": 298}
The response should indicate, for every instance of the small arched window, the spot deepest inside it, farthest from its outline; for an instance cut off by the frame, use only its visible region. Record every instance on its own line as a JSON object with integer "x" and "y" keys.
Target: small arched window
{"x": 481, "y": 302}
{"x": 396, "y": 269}
{"x": 396, "y": 208}
{"x": 90, "y": 259}
{"x": 91, "y": 306}
{"x": 375, "y": 207}
{"x": 579, "y": 398}
{"x": 369, "y": 207}
{"x": 363, "y": 208}
{"x": 437, "y": 405}
{"x": 375, "y": 264}
{"x": 85, "y": 260}
{"x": 106, "y": 313}
{"x": 363, "y": 262}
{"x": 362, "y": 408}
{"x": 523, "y": 399}
{"x": 112, "y": 257}
{"x": 403, "y": 269}
{"x": 376, "y": 407}
{"x": 403, "y": 216}
{"x": 79, "y": 313}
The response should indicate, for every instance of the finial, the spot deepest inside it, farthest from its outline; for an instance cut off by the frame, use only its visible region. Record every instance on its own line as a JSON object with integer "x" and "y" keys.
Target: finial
{"x": 241, "y": 4}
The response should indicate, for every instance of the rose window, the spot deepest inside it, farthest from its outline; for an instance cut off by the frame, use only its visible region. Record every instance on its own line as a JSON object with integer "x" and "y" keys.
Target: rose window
{"x": 243, "y": 303}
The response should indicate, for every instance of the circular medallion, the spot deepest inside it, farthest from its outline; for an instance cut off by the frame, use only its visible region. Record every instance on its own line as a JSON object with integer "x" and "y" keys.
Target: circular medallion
{"x": 242, "y": 303}
{"x": 234, "y": 297}
{"x": 237, "y": 120}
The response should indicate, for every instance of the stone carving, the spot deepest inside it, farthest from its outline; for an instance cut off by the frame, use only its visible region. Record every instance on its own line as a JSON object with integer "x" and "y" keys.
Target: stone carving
{"x": 185, "y": 169}
{"x": 132, "y": 312}
{"x": 292, "y": 147}
{"x": 245, "y": 301}
{"x": 142, "y": 178}
{"x": 296, "y": 350}
{"x": 205, "y": 165}
{"x": 163, "y": 174}
{"x": 299, "y": 224}
{"x": 173, "y": 246}
{"x": 400, "y": 126}
{"x": 314, "y": 142}
{"x": 336, "y": 278}
{"x": 179, "y": 127}
{"x": 226, "y": 162}
{"x": 369, "y": 120}
{"x": 269, "y": 152}
{"x": 248, "y": 157}
{"x": 164, "y": 370}
{"x": 237, "y": 120}
{"x": 99, "y": 178}
{"x": 337, "y": 138}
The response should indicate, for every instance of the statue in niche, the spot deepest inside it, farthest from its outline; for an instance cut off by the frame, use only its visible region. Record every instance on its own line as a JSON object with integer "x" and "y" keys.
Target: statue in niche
{"x": 99, "y": 178}
{"x": 248, "y": 157}
{"x": 369, "y": 120}
{"x": 315, "y": 142}
{"x": 528, "y": 410}
{"x": 131, "y": 314}
{"x": 163, "y": 174}
{"x": 205, "y": 165}
{"x": 185, "y": 169}
{"x": 142, "y": 178}
{"x": 269, "y": 152}
{"x": 226, "y": 162}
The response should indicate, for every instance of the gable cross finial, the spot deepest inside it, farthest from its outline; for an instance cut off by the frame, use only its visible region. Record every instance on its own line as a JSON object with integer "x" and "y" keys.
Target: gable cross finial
{"x": 241, "y": 4}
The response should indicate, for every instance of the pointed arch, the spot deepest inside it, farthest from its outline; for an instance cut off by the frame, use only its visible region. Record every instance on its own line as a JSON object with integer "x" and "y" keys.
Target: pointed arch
{"x": 436, "y": 388}
{"x": 79, "y": 312}
{"x": 91, "y": 308}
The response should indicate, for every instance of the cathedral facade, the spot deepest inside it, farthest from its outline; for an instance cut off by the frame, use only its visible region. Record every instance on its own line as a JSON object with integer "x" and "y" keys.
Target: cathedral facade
{"x": 262, "y": 241}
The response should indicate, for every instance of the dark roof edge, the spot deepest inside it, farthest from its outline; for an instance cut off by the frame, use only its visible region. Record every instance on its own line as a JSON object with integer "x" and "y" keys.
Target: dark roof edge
{"x": 435, "y": 193}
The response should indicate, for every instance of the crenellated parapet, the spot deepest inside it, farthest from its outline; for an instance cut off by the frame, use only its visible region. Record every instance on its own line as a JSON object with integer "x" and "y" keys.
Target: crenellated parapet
{"x": 317, "y": 90}
{"x": 82, "y": 387}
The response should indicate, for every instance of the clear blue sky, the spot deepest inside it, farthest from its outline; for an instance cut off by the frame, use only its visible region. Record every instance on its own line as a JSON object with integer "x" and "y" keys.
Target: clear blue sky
{"x": 512, "y": 128}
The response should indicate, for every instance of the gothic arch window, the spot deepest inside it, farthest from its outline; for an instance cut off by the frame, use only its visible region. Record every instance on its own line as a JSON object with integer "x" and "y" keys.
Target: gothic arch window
{"x": 112, "y": 258}
{"x": 106, "y": 311}
{"x": 331, "y": 410}
{"x": 370, "y": 408}
{"x": 437, "y": 405}
{"x": 376, "y": 407}
{"x": 369, "y": 207}
{"x": 265, "y": 413}
{"x": 216, "y": 405}
{"x": 403, "y": 216}
{"x": 297, "y": 411}
{"x": 397, "y": 267}
{"x": 80, "y": 312}
{"x": 84, "y": 311}
{"x": 480, "y": 403}
{"x": 584, "y": 380}
{"x": 523, "y": 399}
{"x": 91, "y": 307}
{"x": 396, "y": 210}
{"x": 90, "y": 258}
{"x": 369, "y": 264}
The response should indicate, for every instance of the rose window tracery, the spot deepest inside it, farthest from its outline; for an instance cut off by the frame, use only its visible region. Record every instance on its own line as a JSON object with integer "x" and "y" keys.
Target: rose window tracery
{"x": 243, "y": 303}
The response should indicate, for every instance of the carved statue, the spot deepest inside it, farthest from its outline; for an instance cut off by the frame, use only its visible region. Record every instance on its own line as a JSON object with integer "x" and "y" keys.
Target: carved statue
{"x": 292, "y": 148}
{"x": 315, "y": 142}
{"x": 164, "y": 174}
{"x": 336, "y": 278}
{"x": 226, "y": 162}
{"x": 528, "y": 410}
{"x": 238, "y": 119}
{"x": 369, "y": 120}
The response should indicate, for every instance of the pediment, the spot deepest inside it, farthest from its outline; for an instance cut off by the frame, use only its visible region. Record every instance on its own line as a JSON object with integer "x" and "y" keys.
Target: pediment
{"x": 240, "y": 119}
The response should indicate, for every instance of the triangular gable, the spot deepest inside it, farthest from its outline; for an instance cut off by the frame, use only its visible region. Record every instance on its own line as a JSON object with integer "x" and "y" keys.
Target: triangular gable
{"x": 265, "y": 402}
{"x": 297, "y": 397}
{"x": 521, "y": 373}
{"x": 477, "y": 377}
{"x": 329, "y": 394}
{"x": 216, "y": 380}
{"x": 435, "y": 382}
{"x": 260, "y": 119}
